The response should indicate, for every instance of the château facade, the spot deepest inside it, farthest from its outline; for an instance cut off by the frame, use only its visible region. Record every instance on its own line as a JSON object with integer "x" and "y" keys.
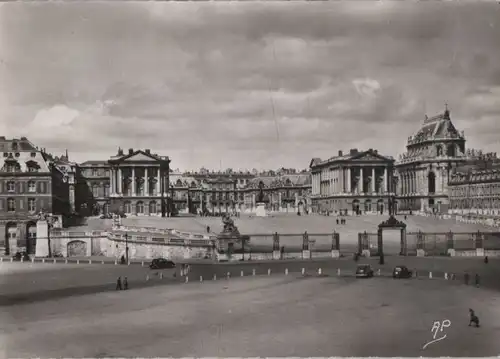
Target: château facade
{"x": 359, "y": 181}
{"x": 423, "y": 171}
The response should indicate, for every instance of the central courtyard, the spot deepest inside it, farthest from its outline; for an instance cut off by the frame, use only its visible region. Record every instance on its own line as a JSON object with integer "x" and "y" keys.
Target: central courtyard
{"x": 296, "y": 225}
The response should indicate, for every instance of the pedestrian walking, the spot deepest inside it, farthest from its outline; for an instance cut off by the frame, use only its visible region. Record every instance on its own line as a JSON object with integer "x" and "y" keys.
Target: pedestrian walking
{"x": 486, "y": 260}
{"x": 208, "y": 229}
{"x": 125, "y": 283}
{"x": 337, "y": 221}
{"x": 473, "y": 318}
{"x": 477, "y": 280}
{"x": 466, "y": 278}
{"x": 119, "y": 283}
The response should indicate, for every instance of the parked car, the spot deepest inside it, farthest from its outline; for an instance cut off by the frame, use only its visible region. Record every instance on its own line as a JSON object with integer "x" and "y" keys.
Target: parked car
{"x": 17, "y": 257}
{"x": 401, "y": 272}
{"x": 364, "y": 270}
{"x": 161, "y": 263}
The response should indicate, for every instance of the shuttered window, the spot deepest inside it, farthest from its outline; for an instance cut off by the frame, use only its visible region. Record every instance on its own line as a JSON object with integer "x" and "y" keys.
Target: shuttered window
{"x": 21, "y": 204}
{"x": 43, "y": 187}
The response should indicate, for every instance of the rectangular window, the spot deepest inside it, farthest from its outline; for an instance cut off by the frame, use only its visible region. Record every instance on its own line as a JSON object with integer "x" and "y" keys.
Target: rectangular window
{"x": 11, "y": 168}
{"x": 32, "y": 169}
{"x": 31, "y": 205}
{"x": 32, "y": 186}
{"x": 11, "y": 205}
{"x": 95, "y": 172}
{"x": 11, "y": 186}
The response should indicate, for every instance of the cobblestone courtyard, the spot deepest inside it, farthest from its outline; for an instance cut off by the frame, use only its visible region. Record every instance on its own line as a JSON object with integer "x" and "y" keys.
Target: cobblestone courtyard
{"x": 261, "y": 316}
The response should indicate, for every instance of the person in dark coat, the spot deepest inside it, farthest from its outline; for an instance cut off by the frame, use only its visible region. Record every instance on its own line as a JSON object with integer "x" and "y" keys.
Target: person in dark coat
{"x": 466, "y": 278}
{"x": 122, "y": 259}
{"x": 125, "y": 283}
{"x": 208, "y": 229}
{"x": 486, "y": 260}
{"x": 473, "y": 318}
{"x": 477, "y": 280}
{"x": 337, "y": 221}
{"x": 119, "y": 283}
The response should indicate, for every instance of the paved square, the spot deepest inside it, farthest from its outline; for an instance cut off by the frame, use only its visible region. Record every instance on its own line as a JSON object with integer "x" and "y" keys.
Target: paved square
{"x": 275, "y": 316}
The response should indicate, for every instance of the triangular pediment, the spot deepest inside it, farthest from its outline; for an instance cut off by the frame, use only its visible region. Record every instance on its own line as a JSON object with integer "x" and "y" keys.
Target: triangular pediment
{"x": 370, "y": 156}
{"x": 138, "y": 156}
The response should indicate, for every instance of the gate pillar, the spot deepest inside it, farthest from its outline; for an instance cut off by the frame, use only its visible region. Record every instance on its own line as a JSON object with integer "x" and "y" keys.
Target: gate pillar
{"x": 404, "y": 243}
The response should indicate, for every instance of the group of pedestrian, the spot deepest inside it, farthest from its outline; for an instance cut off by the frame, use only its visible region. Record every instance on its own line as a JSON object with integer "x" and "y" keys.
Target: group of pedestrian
{"x": 467, "y": 278}
{"x": 122, "y": 284}
{"x": 341, "y": 221}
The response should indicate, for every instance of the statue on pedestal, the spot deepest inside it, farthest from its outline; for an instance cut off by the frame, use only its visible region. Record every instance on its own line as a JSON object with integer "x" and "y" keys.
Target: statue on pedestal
{"x": 260, "y": 197}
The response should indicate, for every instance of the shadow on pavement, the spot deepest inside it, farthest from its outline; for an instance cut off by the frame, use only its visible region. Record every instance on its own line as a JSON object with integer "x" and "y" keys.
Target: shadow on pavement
{"x": 33, "y": 297}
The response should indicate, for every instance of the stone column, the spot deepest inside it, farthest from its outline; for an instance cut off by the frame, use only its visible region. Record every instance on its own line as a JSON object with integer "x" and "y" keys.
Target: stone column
{"x": 349, "y": 189}
{"x": 341, "y": 180}
{"x": 112, "y": 182}
{"x": 386, "y": 187}
{"x": 158, "y": 183}
{"x": 253, "y": 201}
{"x": 279, "y": 201}
{"x": 373, "y": 180}
{"x": 146, "y": 182}
{"x": 361, "y": 179}
{"x": 133, "y": 181}
{"x": 120, "y": 181}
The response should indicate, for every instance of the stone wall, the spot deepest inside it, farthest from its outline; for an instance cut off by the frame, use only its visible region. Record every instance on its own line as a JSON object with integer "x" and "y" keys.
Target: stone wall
{"x": 102, "y": 244}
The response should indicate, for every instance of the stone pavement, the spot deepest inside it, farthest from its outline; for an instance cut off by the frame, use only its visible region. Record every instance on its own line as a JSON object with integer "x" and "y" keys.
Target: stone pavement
{"x": 26, "y": 282}
{"x": 274, "y": 316}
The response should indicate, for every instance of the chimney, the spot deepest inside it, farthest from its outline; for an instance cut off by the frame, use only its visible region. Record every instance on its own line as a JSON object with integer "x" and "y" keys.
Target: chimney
{"x": 130, "y": 151}
{"x": 340, "y": 154}
{"x": 375, "y": 151}
{"x": 148, "y": 151}
{"x": 353, "y": 151}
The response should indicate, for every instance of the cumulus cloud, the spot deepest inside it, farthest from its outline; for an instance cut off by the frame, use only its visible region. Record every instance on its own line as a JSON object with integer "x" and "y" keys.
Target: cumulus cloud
{"x": 254, "y": 84}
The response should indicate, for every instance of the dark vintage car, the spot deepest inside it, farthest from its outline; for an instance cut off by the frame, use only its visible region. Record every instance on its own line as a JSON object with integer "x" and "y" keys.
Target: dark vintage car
{"x": 364, "y": 270}
{"x": 161, "y": 263}
{"x": 17, "y": 257}
{"x": 401, "y": 272}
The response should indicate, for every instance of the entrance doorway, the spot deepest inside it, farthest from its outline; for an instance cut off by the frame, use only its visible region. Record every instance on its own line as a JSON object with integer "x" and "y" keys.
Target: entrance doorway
{"x": 392, "y": 237}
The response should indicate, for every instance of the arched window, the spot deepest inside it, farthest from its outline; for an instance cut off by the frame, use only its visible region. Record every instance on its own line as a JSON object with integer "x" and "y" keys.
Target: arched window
{"x": 152, "y": 207}
{"x": 139, "y": 207}
{"x": 178, "y": 183}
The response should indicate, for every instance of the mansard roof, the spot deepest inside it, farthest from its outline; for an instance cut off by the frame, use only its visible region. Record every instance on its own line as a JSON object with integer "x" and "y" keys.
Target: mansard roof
{"x": 23, "y": 153}
{"x": 436, "y": 127}
{"x": 291, "y": 180}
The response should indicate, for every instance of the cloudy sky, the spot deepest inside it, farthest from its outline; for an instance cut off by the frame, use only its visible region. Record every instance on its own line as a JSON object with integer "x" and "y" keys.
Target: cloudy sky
{"x": 249, "y": 84}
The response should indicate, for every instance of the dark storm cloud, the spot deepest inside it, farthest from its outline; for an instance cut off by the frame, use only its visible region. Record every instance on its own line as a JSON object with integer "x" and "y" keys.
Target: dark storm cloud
{"x": 259, "y": 84}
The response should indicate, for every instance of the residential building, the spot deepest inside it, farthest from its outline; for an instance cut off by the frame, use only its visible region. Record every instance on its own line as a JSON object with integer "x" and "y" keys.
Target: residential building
{"x": 25, "y": 190}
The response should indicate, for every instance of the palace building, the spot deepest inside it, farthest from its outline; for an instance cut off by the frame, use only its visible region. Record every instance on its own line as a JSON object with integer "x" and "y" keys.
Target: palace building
{"x": 356, "y": 181}
{"x": 132, "y": 183}
{"x": 474, "y": 189}
{"x": 283, "y": 192}
{"x": 424, "y": 169}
